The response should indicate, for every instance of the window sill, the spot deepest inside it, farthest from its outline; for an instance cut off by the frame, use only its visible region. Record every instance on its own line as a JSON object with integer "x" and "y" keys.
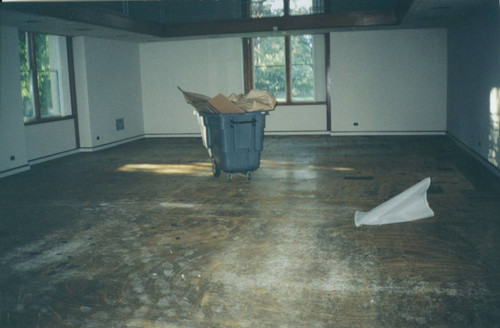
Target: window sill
{"x": 48, "y": 120}
{"x": 300, "y": 103}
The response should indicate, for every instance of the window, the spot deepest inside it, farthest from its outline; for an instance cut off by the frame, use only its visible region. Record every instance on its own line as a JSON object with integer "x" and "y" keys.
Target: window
{"x": 266, "y": 8}
{"x": 291, "y": 67}
{"x": 43, "y": 87}
{"x": 301, "y": 7}
{"x": 277, "y": 8}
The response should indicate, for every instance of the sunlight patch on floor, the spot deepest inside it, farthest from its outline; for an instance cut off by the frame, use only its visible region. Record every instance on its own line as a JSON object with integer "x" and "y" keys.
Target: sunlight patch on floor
{"x": 196, "y": 169}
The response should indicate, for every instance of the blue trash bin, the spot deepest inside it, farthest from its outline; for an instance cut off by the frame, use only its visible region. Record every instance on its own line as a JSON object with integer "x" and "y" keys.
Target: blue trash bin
{"x": 234, "y": 141}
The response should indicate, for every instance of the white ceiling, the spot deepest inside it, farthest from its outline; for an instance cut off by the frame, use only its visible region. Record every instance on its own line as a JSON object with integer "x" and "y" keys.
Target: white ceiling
{"x": 422, "y": 14}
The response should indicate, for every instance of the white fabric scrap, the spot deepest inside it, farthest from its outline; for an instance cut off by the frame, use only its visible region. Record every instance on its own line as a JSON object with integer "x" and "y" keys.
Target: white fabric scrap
{"x": 409, "y": 205}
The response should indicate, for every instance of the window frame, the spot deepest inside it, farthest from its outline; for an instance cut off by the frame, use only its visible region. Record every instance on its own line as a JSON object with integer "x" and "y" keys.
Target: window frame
{"x": 33, "y": 67}
{"x": 249, "y": 76}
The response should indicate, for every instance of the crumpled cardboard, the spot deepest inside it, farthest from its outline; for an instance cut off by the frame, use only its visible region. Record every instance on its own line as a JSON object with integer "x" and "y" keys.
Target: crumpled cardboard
{"x": 254, "y": 101}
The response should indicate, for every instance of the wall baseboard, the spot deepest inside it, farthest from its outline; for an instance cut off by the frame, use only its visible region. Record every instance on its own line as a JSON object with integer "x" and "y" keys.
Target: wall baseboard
{"x": 14, "y": 170}
{"x": 495, "y": 170}
{"x": 296, "y": 133}
{"x": 111, "y": 144}
{"x": 390, "y": 133}
{"x": 173, "y": 135}
{"x": 53, "y": 156}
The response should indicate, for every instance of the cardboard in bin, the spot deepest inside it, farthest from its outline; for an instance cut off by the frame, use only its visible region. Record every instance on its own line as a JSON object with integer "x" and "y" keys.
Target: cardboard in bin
{"x": 223, "y": 105}
{"x": 254, "y": 101}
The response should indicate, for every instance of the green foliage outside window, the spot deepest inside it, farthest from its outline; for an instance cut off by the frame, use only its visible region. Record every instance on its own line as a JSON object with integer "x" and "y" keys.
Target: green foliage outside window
{"x": 39, "y": 71}
{"x": 302, "y": 67}
{"x": 26, "y": 78}
{"x": 276, "y": 8}
{"x": 269, "y": 66}
{"x": 266, "y": 8}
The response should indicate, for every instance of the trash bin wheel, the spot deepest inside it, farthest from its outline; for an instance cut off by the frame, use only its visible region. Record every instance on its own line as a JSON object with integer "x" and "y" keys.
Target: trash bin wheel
{"x": 215, "y": 169}
{"x": 229, "y": 177}
{"x": 249, "y": 175}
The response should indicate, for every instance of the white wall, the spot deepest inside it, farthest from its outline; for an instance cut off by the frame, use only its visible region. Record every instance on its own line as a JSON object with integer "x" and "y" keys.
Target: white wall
{"x": 50, "y": 139}
{"x": 388, "y": 81}
{"x": 474, "y": 84}
{"x": 208, "y": 66}
{"x": 296, "y": 119}
{"x": 12, "y": 141}
{"x": 108, "y": 84}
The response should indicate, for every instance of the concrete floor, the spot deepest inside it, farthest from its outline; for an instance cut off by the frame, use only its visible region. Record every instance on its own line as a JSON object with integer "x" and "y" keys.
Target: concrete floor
{"x": 142, "y": 235}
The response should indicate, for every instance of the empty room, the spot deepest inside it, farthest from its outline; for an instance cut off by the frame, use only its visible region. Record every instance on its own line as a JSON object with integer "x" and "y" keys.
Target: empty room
{"x": 250, "y": 163}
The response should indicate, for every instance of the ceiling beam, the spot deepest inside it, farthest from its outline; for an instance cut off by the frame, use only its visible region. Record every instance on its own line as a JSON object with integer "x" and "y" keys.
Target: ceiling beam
{"x": 91, "y": 15}
{"x": 284, "y": 24}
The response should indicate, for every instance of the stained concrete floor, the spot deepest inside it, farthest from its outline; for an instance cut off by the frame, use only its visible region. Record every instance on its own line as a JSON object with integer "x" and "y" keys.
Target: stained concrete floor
{"x": 142, "y": 235}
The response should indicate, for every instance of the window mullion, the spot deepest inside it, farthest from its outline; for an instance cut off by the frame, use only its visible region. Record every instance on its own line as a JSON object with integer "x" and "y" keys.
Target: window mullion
{"x": 288, "y": 79}
{"x": 246, "y": 9}
{"x": 286, "y": 8}
{"x": 34, "y": 73}
{"x": 248, "y": 60}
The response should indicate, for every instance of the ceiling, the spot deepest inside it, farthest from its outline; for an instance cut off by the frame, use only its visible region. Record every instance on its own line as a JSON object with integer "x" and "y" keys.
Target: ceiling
{"x": 149, "y": 21}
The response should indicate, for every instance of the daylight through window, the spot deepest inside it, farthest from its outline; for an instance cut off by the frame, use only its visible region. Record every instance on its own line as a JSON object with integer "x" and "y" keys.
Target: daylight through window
{"x": 292, "y": 68}
{"x": 41, "y": 82}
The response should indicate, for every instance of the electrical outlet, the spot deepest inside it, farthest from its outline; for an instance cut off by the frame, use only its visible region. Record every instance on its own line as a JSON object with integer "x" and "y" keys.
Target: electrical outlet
{"x": 120, "y": 124}
{"x": 355, "y": 123}
{"x": 12, "y": 158}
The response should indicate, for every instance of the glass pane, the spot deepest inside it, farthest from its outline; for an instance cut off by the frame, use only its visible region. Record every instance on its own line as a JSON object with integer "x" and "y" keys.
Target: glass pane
{"x": 302, "y": 82}
{"x": 48, "y": 93}
{"x": 27, "y": 95}
{"x": 269, "y": 66}
{"x": 23, "y": 51}
{"x": 301, "y": 7}
{"x": 302, "y": 67}
{"x": 266, "y": 8}
{"x": 42, "y": 52}
{"x": 26, "y": 77}
{"x": 269, "y": 51}
{"x": 302, "y": 49}
{"x": 271, "y": 79}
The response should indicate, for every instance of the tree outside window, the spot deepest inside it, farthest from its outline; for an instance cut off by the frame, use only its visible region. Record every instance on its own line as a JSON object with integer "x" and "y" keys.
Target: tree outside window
{"x": 269, "y": 67}
{"x": 302, "y": 68}
{"x": 276, "y": 8}
{"x": 266, "y": 8}
{"x": 301, "y": 7}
